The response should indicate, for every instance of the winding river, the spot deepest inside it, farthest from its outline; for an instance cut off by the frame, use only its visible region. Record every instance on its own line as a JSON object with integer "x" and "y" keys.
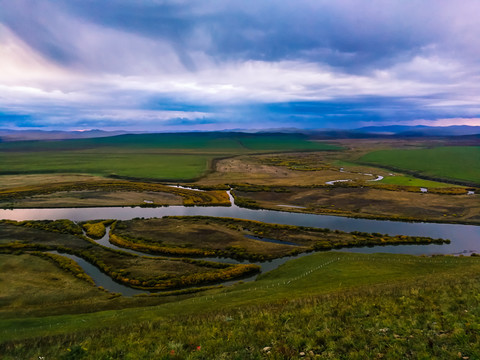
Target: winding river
{"x": 465, "y": 239}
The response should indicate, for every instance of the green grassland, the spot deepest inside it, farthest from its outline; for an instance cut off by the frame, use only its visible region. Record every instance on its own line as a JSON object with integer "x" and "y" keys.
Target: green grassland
{"x": 412, "y": 181}
{"x": 117, "y": 163}
{"x": 326, "y": 305}
{"x": 211, "y": 142}
{"x": 460, "y": 163}
{"x": 153, "y": 156}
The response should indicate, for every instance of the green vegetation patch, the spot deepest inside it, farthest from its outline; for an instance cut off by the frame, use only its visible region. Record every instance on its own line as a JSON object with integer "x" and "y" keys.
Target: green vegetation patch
{"x": 460, "y": 163}
{"x": 96, "y": 229}
{"x": 412, "y": 181}
{"x": 208, "y": 141}
{"x": 121, "y": 164}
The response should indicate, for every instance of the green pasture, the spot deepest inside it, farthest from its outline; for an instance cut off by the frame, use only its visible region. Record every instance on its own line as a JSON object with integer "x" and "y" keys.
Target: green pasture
{"x": 451, "y": 162}
{"x": 412, "y": 181}
{"x": 135, "y": 164}
{"x": 154, "y": 156}
{"x": 206, "y": 142}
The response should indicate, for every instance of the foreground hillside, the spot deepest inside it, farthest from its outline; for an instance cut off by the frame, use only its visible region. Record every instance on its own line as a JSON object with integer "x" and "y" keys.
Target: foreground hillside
{"x": 327, "y": 305}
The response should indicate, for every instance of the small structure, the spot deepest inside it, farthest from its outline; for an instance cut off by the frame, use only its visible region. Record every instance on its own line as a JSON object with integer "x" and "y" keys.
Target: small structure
{"x": 423, "y": 190}
{"x": 148, "y": 201}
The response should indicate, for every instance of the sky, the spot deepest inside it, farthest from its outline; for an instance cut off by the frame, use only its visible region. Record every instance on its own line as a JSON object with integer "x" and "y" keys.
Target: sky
{"x": 158, "y": 65}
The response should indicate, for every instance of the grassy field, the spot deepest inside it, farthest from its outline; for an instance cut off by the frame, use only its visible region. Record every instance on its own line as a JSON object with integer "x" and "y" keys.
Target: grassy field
{"x": 453, "y": 163}
{"x": 327, "y": 305}
{"x": 135, "y": 164}
{"x": 153, "y": 156}
{"x": 412, "y": 181}
{"x": 210, "y": 141}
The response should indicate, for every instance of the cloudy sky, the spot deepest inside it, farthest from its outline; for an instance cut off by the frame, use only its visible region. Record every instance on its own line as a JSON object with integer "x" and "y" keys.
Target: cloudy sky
{"x": 208, "y": 64}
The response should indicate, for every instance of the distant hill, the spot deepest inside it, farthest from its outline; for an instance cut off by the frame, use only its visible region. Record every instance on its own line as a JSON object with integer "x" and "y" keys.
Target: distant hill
{"x": 393, "y": 131}
{"x": 421, "y": 130}
{"x": 22, "y": 135}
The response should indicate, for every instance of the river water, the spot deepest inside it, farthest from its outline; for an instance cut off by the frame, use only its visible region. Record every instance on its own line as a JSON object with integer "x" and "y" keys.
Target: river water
{"x": 465, "y": 239}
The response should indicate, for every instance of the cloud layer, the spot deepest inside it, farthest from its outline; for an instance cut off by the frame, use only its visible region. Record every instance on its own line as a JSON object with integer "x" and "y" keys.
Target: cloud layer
{"x": 166, "y": 65}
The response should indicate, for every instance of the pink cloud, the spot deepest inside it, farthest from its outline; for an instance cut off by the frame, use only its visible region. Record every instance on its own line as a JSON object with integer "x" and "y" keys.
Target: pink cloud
{"x": 447, "y": 122}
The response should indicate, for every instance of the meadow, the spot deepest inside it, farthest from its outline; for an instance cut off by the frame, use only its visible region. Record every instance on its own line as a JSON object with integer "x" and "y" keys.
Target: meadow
{"x": 412, "y": 181}
{"x": 117, "y": 163}
{"x": 147, "y": 156}
{"x": 453, "y": 163}
{"x": 326, "y": 305}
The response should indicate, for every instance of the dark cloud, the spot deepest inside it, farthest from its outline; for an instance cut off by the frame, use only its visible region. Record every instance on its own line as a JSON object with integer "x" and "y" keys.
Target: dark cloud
{"x": 351, "y": 34}
{"x": 37, "y": 25}
{"x": 307, "y": 62}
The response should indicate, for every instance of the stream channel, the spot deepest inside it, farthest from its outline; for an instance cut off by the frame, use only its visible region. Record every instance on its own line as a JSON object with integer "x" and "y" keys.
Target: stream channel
{"x": 465, "y": 239}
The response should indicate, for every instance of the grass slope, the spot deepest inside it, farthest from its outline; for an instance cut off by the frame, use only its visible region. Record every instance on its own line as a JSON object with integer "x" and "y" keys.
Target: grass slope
{"x": 450, "y": 162}
{"x": 31, "y": 284}
{"x": 328, "y": 305}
